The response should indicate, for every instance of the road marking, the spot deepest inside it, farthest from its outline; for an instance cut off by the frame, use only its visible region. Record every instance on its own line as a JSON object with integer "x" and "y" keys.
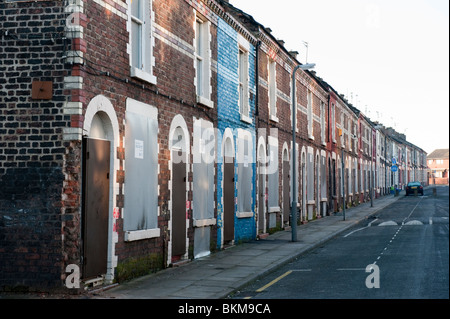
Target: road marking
{"x": 388, "y": 223}
{"x": 274, "y": 281}
{"x": 370, "y": 224}
{"x": 301, "y": 269}
{"x": 414, "y": 222}
{"x": 412, "y": 210}
{"x": 350, "y": 269}
{"x": 386, "y": 247}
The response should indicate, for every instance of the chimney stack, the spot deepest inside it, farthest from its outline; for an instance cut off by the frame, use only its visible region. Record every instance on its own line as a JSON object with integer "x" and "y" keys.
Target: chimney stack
{"x": 293, "y": 54}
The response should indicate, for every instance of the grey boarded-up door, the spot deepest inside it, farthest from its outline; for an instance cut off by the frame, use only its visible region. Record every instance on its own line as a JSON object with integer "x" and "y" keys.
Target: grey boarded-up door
{"x": 179, "y": 204}
{"x": 228, "y": 199}
{"x": 286, "y": 201}
{"x": 96, "y": 170}
{"x": 203, "y": 185}
{"x": 262, "y": 202}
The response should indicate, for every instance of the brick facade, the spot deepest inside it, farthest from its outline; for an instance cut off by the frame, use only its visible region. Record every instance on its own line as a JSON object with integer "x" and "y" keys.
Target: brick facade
{"x": 32, "y": 151}
{"x": 69, "y": 76}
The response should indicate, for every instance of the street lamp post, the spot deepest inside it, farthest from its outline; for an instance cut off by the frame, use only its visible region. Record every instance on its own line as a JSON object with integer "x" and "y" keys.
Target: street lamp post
{"x": 294, "y": 177}
{"x": 341, "y": 133}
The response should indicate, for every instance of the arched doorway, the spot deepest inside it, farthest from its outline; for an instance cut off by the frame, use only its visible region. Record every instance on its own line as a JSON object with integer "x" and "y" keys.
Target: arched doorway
{"x": 303, "y": 172}
{"x": 179, "y": 160}
{"x": 99, "y": 160}
{"x": 228, "y": 182}
{"x": 262, "y": 171}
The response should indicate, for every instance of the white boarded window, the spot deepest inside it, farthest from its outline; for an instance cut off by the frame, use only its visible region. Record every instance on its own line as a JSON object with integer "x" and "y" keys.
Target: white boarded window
{"x": 310, "y": 115}
{"x": 244, "y": 108}
{"x": 273, "y": 90}
{"x": 245, "y": 171}
{"x": 322, "y": 122}
{"x": 141, "y": 169}
{"x": 333, "y": 122}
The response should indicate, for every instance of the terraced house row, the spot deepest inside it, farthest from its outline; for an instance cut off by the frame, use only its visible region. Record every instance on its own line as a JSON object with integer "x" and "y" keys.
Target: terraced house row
{"x": 138, "y": 134}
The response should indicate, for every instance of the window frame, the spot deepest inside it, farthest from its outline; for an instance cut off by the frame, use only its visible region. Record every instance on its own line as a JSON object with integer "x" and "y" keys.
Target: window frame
{"x": 333, "y": 122}
{"x": 146, "y": 42}
{"x": 310, "y": 115}
{"x": 202, "y": 46}
{"x": 322, "y": 122}
{"x": 243, "y": 84}
{"x": 272, "y": 89}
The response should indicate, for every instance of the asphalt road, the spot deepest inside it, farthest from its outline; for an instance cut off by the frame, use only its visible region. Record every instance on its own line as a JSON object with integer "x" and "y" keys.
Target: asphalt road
{"x": 401, "y": 253}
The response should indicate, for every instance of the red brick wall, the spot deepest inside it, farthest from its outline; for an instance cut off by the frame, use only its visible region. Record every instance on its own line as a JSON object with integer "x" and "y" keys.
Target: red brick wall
{"x": 106, "y": 39}
{"x": 31, "y": 148}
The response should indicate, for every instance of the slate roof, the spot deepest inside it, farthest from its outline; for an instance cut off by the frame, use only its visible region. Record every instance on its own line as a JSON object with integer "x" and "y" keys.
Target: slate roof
{"x": 439, "y": 154}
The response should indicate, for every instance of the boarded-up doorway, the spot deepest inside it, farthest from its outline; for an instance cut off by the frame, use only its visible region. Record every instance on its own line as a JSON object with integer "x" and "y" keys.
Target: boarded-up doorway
{"x": 179, "y": 204}
{"x": 286, "y": 195}
{"x": 228, "y": 200}
{"x": 261, "y": 203}
{"x": 96, "y": 168}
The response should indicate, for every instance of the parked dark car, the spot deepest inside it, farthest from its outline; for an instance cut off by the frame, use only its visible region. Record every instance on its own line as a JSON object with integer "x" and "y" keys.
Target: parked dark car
{"x": 412, "y": 187}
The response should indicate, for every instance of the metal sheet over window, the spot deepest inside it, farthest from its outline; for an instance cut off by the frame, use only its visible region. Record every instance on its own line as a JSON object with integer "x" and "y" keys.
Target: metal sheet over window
{"x": 203, "y": 188}
{"x": 141, "y": 170}
{"x": 245, "y": 171}
{"x": 204, "y": 154}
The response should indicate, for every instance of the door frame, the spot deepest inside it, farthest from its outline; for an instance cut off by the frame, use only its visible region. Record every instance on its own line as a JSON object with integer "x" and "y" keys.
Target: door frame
{"x": 102, "y": 106}
{"x": 227, "y": 150}
{"x": 261, "y": 224}
{"x": 178, "y": 128}
{"x": 86, "y": 228}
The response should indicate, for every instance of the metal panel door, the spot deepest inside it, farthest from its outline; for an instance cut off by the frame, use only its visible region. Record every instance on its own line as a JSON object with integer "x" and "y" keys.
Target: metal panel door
{"x": 228, "y": 199}
{"x": 261, "y": 204}
{"x": 178, "y": 205}
{"x": 95, "y": 206}
{"x": 286, "y": 195}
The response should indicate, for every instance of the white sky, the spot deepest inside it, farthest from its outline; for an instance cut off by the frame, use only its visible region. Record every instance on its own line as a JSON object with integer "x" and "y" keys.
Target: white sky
{"x": 392, "y": 56}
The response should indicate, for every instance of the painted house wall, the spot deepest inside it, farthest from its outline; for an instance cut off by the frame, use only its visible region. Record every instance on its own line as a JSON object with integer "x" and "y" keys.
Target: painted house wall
{"x": 229, "y": 119}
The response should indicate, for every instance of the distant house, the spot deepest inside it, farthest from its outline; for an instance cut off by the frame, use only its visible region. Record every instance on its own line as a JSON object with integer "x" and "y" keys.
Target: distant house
{"x": 438, "y": 166}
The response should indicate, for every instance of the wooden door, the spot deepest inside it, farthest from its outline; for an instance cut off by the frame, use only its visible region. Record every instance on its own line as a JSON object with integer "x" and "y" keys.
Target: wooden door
{"x": 96, "y": 171}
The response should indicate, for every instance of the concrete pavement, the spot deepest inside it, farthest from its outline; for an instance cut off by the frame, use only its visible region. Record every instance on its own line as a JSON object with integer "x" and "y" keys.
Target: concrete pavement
{"x": 220, "y": 274}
